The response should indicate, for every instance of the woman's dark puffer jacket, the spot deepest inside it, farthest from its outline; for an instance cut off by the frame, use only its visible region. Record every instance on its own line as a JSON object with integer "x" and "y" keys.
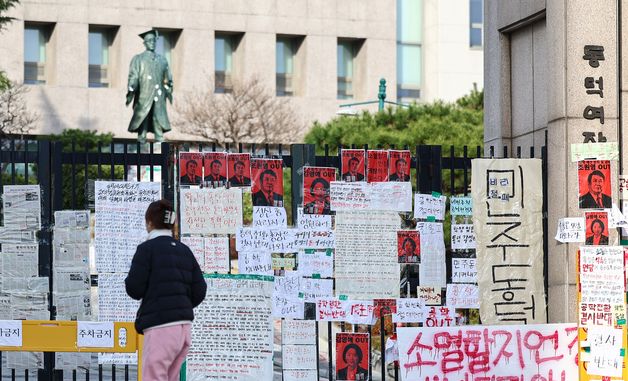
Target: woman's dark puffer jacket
{"x": 167, "y": 278}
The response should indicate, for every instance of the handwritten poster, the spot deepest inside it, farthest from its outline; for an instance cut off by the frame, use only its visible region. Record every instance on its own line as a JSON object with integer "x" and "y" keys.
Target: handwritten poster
{"x": 298, "y": 332}
{"x": 225, "y": 343}
{"x": 211, "y": 211}
{"x": 606, "y": 351}
{"x": 546, "y": 351}
{"x": 316, "y": 263}
{"x": 462, "y": 237}
{"x": 120, "y": 223}
{"x": 429, "y": 205}
{"x": 464, "y": 270}
{"x": 462, "y": 296}
{"x": 507, "y": 220}
{"x": 312, "y": 289}
{"x": 600, "y": 151}
{"x": 570, "y": 230}
{"x": 269, "y": 217}
{"x": 409, "y": 310}
{"x": 388, "y": 196}
{"x": 366, "y": 254}
{"x": 461, "y": 206}
{"x": 255, "y": 262}
{"x": 430, "y": 295}
{"x": 212, "y": 253}
{"x": 602, "y": 274}
{"x": 433, "y": 270}
{"x": 313, "y": 222}
{"x": 286, "y": 301}
{"x": 113, "y": 302}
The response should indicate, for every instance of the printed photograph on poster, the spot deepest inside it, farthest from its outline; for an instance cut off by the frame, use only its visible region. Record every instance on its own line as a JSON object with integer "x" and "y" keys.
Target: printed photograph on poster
{"x": 352, "y": 356}
{"x": 316, "y": 181}
{"x": 215, "y": 169}
{"x": 597, "y": 228}
{"x": 239, "y": 169}
{"x": 190, "y": 167}
{"x": 399, "y": 166}
{"x": 408, "y": 246}
{"x": 594, "y": 179}
{"x": 353, "y": 164}
{"x": 377, "y": 166}
{"x": 267, "y": 188}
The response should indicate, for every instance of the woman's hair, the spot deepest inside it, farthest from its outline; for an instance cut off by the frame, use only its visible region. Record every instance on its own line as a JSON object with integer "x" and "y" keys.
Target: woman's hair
{"x": 357, "y": 349}
{"x": 318, "y": 180}
{"x": 160, "y": 214}
{"x": 597, "y": 221}
{"x": 408, "y": 239}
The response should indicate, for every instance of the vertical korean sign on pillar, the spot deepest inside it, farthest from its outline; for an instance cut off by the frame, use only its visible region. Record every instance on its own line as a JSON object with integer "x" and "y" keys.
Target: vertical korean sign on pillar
{"x": 507, "y": 218}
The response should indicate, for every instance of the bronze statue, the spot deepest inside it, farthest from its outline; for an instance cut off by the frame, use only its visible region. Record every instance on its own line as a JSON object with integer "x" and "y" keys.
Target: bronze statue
{"x": 150, "y": 83}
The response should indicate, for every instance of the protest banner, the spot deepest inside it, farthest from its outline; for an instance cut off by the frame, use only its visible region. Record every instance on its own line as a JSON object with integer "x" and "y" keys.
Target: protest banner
{"x": 408, "y": 246}
{"x": 190, "y": 168}
{"x": 377, "y": 166}
{"x": 316, "y": 184}
{"x": 399, "y": 165}
{"x": 211, "y": 211}
{"x": 239, "y": 169}
{"x": 520, "y": 352}
{"x": 353, "y": 165}
{"x": 594, "y": 180}
{"x": 225, "y": 343}
{"x": 120, "y": 221}
{"x": 214, "y": 169}
{"x": 570, "y": 230}
{"x": 366, "y": 254}
{"x": 352, "y": 356}
{"x": 267, "y": 185}
{"x": 596, "y": 228}
{"x": 507, "y": 220}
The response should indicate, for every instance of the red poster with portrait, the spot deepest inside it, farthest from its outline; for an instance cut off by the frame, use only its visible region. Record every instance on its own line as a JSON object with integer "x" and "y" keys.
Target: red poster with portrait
{"x": 267, "y": 188}
{"x": 399, "y": 165}
{"x": 190, "y": 168}
{"x": 239, "y": 169}
{"x": 594, "y": 179}
{"x": 597, "y": 228}
{"x": 215, "y": 169}
{"x": 408, "y": 246}
{"x": 353, "y": 164}
{"x": 352, "y": 356}
{"x": 316, "y": 183}
{"x": 377, "y": 166}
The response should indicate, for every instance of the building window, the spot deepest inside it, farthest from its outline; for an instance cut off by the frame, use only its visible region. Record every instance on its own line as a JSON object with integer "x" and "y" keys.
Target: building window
{"x": 35, "y": 45}
{"x": 286, "y": 53}
{"x": 476, "y": 23}
{"x": 100, "y": 39}
{"x": 347, "y": 52}
{"x": 409, "y": 39}
{"x": 225, "y": 49}
{"x": 166, "y": 42}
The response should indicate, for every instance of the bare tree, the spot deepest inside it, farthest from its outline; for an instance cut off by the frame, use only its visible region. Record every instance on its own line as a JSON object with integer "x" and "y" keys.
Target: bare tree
{"x": 249, "y": 113}
{"x": 15, "y": 118}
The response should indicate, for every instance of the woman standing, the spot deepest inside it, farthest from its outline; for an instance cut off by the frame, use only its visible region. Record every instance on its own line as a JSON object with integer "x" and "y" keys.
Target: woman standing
{"x": 167, "y": 278}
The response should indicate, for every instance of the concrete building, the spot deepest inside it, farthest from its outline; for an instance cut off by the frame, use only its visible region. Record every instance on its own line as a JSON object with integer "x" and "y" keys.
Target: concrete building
{"x": 320, "y": 53}
{"x": 556, "y": 67}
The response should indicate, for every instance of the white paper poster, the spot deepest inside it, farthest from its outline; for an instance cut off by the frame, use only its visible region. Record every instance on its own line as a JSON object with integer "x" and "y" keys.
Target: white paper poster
{"x": 507, "y": 218}
{"x": 113, "y": 302}
{"x": 462, "y": 236}
{"x": 94, "y": 334}
{"x": 298, "y": 332}
{"x": 571, "y": 229}
{"x": 223, "y": 340}
{"x": 602, "y": 274}
{"x": 316, "y": 262}
{"x": 313, "y": 222}
{"x": 11, "y": 333}
{"x": 255, "y": 262}
{"x": 366, "y": 254}
{"x": 22, "y": 207}
{"x": 433, "y": 269}
{"x": 387, "y": 196}
{"x": 526, "y": 352}
{"x": 269, "y": 217}
{"x": 462, "y": 296}
{"x": 409, "y": 310}
{"x": 428, "y": 205}
{"x": 463, "y": 270}
{"x": 120, "y": 222}
{"x": 211, "y": 211}
{"x": 461, "y": 206}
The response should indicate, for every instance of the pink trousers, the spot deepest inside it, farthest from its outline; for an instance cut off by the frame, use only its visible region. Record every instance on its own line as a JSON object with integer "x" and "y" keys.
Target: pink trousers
{"x": 164, "y": 351}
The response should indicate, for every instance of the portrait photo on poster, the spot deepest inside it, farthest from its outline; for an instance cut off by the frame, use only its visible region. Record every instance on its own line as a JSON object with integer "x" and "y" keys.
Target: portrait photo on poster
{"x": 352, "y": 356}
{"x": 376, "y": 166}
{"x": 353, "y": 164}
{"x": 215, "y": 169}
{"x": 399, "y": 165}
{"x": 239, "y": 169}
{"x": 316, "y": 182}
{"x": 190, "y": 168}
{"x": 267, "y": 187}
{"x": 597, "y": 228}
{"x": 594, "y": 180}
{"x": 408, "y": 246}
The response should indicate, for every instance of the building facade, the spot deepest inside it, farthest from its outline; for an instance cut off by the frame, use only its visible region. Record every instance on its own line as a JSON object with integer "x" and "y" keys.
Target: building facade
{"x": 319, "y": 53}
{"x": 556, "y": 68}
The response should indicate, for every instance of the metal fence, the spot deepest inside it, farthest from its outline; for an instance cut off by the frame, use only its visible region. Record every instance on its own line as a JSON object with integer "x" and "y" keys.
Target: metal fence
{"x": 66, "y": 172}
